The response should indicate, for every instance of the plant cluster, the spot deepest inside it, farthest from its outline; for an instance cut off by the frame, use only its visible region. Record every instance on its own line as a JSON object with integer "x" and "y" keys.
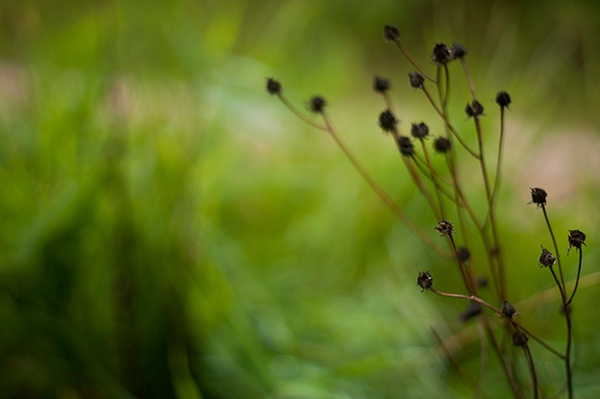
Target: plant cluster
{"x": 485, "y": 284}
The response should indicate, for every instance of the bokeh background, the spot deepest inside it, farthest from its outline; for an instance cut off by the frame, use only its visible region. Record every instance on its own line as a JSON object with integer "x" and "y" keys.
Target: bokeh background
{"x": 168, "y": 229}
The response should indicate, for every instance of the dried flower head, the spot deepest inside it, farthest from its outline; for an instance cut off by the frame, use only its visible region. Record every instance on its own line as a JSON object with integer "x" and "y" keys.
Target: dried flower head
{"x": 417, "y": 80}
{"x": 442, "y": 145}
{"x": 482, "y": 282}
{"x": 507, "y": 309}
{"x": 576, "y": 239}
{"x": 273, "y": 86}
{"x": 317, "y": 104}
{"x": 546, "y": 258}
{"x": 458, "y": 51}
{"x": 520, "y": 338}
{"x": 424, "y": 280}
{"x": 463, "y": 254}
{"x": 473, "y": 309}
{"x": 503, "y": 99}
{"x": 387, "y": 121}
{"x": 405, "y": 146}
{"x": 419, "y": 130}
{"x": 538, "y": 196}
{"x": 391, "y": 33}
{"x": 445, "y": 228}
{"x": 441, "y": 54}
{"x": 381, "y": 85}
{"x": 475, "y": 109}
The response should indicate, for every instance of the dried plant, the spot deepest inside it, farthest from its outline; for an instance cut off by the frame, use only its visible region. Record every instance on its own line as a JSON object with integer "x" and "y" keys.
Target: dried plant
{"x": 442, "y": 189}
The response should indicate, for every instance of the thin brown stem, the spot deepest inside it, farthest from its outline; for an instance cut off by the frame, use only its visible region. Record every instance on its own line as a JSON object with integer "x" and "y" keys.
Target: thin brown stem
{"x": 448, "y": 124}
{"x": 499, "y": 160}
{"x": 578, "y": 276}
{"x": 299, "y": 114}
{"x": 499, "y": 312}
{"x": 413, "y": 62}
{"x": 380, "y": 192}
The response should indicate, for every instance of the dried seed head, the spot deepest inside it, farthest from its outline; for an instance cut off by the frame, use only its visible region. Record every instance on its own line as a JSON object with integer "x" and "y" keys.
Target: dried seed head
{"x": 507, "y": 309}
{"x": 442, "y": 145}
{"x": 475, "y": 109}
{"x": 538, "y": 196}
{"x": 520, "y": 338}
{"x": 546, "y": 258}
{"x": 391, "y": 33}
{"x": 576, "y": 239}
{"x": 273, "y": 86}
{"x": 481, "y": 282}
{"x": 419, "y": 131}
{"x": 445, "y": 228}
{"x": 424, "y": 280}
{"x": 417, "y": 80}
{"x": 463, "y": 254}
{"x": 381, "y": 85}
{"x": 317, "y": 104}
{"x": 502, "y": 99}
{"x": 387, "y": 121}
{"x": 458, "y": 51}
{"x": 473, "y": 309}
{"x": 405, "y": 146}
{"x": 441, "y": 54}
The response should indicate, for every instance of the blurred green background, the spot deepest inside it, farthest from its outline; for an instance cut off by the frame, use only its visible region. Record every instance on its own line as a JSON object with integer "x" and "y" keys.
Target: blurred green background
{"x": 171, "y": 230}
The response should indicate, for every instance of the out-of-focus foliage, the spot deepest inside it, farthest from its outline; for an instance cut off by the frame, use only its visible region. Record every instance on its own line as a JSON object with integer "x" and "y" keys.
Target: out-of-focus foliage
{"x": 169, "y": 230}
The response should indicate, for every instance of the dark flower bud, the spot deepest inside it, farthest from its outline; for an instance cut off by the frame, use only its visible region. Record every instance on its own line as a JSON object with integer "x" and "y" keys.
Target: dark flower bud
{"x": 520, "y": 338}
{"x": 417, "y": 80}
{"x": 391, "y": 33}
{"x": 317, "y": 104}
{"x": 503, "y": 99}
{"x": 445, "y": 228}
{"x": 482, "y": 282}
{"x": 463, "y": 254}
{"x": 419, "y": 131}
{"x": 424, "y": 280}
{"x": 475, "y": 109}
{"x": 576, "y": 239}
{"x": 387, "y": 120}
{"x": 458, "y": 51}
{"x": 381, "y": 85}
{"x": 405, "y": 146}
{"x": 441, "y": 145}
{"x": 473, "y": 309}
{"x": 538, "y": 196}
{"x": 441, "y": 54}
{"x": 507, "y": 309}
{"x": 273, "y": 86}
{"x": 546, "y": 258}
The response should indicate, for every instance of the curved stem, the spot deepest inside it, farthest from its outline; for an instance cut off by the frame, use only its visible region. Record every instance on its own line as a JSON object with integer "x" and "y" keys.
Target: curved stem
{"x": 299, "y": 114}
{"x": 448, "y": 124}
{"x": 380, "y": 192}
{"x": 499, "y": 160}
{"x": 562, "y": 280}
{"x": 412, "y": 60}
{"x": 578, "y": 276}
{"x": 496, "y": 310}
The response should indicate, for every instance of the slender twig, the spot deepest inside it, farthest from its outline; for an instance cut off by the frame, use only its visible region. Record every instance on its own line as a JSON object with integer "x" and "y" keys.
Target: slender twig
{"x": 554, "y": 243}
{"x": 412, "y": 60}
{"x": 299, "y": 114}
{"x": 448, "y": 124}
{"x": 499, "y": 312}
{"x": 499, "y": 160}
{"x": 534, "y": 380}
{"x": 380, "y": 192}
{"x": 578, "y": 275}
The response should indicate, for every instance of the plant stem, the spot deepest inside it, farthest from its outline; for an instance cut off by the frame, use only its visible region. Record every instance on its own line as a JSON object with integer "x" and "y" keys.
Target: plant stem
{"x": 578, "y": 276}
{"x": 385, "y": 198}
{"x": 411, "y": 59}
